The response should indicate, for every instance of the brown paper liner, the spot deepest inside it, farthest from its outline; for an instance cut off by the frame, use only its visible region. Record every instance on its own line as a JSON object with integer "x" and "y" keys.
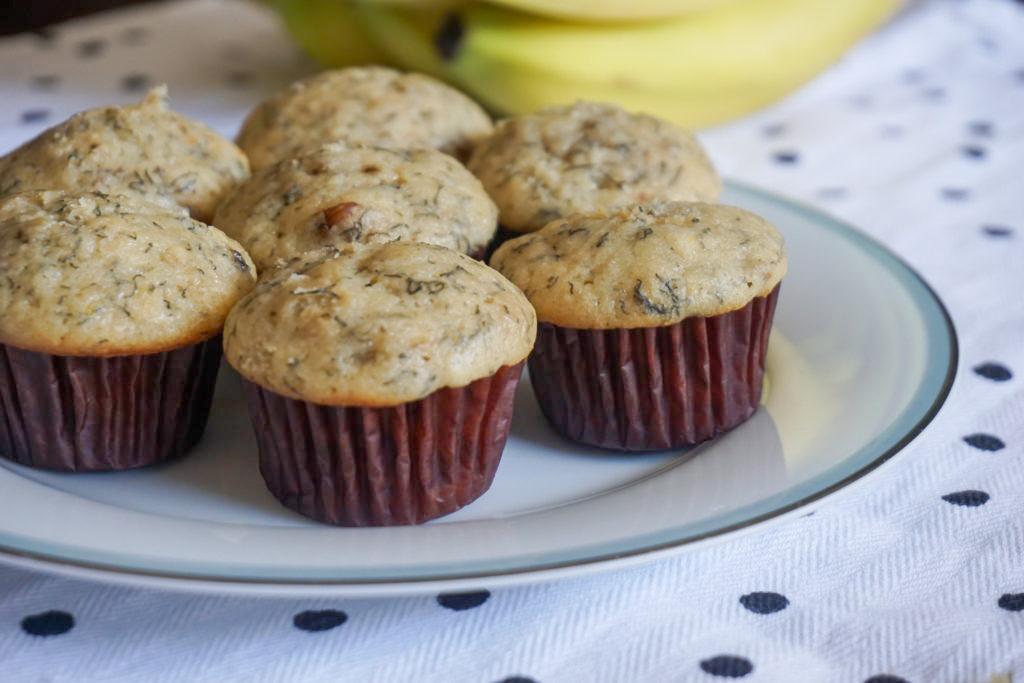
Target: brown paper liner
{"x": 80, "y": 414}
{"x": 653, "y": 388}
{"x": 405, "y": 464}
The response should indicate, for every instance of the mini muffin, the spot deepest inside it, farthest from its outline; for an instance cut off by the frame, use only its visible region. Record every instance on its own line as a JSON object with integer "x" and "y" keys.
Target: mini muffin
{"x": 141, "y": 150}
{"x": 370, "y": 105}
{"x": 380, "y": 379}
{"x": 110, "y": 314}
{"x": 653, "y": 320}
{"x": 588, "y": 157}
{"x": 339, "y": 194}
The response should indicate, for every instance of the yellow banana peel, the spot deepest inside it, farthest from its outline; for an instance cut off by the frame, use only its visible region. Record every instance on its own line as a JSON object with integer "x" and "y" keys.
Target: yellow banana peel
{"x": 328, "y": 31}
{"x": 697, "y": 69}
{"x": 610, "y": 10}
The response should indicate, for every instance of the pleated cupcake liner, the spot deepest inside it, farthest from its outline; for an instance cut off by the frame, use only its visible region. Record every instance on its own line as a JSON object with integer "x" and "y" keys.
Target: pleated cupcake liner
{"x": 407, "y": 464}
{"x": 83, "y": 414}
{"x": 653, "y": 388}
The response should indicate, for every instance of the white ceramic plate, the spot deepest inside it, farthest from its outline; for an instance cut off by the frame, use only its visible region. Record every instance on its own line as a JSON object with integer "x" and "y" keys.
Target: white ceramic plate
{"x": 861, "y": 358}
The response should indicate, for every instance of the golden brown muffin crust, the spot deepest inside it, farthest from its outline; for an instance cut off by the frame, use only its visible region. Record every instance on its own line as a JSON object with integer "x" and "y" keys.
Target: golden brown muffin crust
{"x": 378, "y": 325}
{"x": 102, "y": 275}
{"x": 341, "y": 194}
{"x": 587, "y": 157}
{"x": 141, "y": 150}
{"x": 648, "y": 265}
{"x": 370, "y": 105}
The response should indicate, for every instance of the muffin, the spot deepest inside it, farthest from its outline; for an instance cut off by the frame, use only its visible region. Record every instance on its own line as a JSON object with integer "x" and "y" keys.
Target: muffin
{"x": 588, "y": 157}
{"x": 380, "y": 379}
{"x": 339, "y": 194}
{"x": 653, "y": 320}
{"x": 110, "y": 314}
{"x": 142, "y": 150}
{"x": 370, "y": 105}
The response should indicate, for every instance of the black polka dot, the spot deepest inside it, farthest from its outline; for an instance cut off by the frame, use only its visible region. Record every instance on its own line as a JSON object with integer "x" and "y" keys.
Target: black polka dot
{"x": 885, "y": 678}
{"x": 773, "y": 130}
{"x": 52, "y": 623}
{"x": 517, "y": 679}
{"x": 912, "y": 76}
{"x": 234, "y": 51}
{"x": 45, "y": 82}
{"x": 461, "y": 601}
{"x": 891, "y": 131}
{"x": 1013, "y": 602}
{"x": 319, "y": 620}
{"x": 764, "y": 603}
{"x": 727, "y": 665}
{"x": 134, "y": 35}
{"x": 135, "y": 82}
{"x": 1019, "y": 75}
{"x": 91, "y": 48}
{"x": 970, "y": 499}
{"x": 46, "y": 37}
{"x": 238, "y": 79}
{"x": 997, "y": 372}
{"x": 955, "y": 194}
{"x": 831, "y": 193}
{"x": 934, "y": 94}
{"x": 973, "y": 151}
{"x": 997, "y": 230}
{"x": 35, "y": 115}
{"x": 984, "y": 442}
{"x": 861, "y": 101}
{"x": 989, "y": 43}
{"x": 981, "y": 129}
{"x": 786, "y": 157}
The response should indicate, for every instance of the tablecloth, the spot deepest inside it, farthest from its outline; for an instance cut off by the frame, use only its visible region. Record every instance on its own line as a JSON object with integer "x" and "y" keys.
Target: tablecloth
{"x": 917, "y": 138}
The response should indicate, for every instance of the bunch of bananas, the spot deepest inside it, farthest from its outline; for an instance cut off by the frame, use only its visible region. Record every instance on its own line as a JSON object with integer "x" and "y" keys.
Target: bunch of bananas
{"x": 693, "y": 62}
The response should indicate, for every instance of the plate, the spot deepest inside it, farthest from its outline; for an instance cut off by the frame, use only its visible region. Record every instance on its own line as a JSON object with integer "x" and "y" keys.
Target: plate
{"x": 861, "y": 357}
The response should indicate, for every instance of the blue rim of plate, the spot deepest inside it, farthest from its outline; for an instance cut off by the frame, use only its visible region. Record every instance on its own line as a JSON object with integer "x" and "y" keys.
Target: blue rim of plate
{"x": 938, "y": 376}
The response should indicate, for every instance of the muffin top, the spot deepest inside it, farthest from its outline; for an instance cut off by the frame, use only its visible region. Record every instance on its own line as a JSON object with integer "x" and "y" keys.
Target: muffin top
{"x": 101, "y": 275}
{"x": 141, "y": 150}
{"x": 378, "y": 325}
{"x": 369, "y": 105}
{"x": 646, "y": 265}
{"x": 587, "y": 157}
{"x": 340, "y": 194}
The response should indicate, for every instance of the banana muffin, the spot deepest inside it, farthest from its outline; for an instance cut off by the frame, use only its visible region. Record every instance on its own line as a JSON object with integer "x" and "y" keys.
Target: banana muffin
{"x": 653, "y": 320}
{"x": 110, "y": 314}
{"x": 587, "y": 157}
{"x": 370, "y": 105}
{"x": 340, "y": 194}
{"x": 380, "y": 379}
{"x": 141, "y": 150}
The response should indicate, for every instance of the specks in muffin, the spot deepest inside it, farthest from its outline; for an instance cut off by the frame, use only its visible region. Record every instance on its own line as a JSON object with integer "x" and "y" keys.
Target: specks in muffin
{"x": 239, "y": 261}
{"x": 413, "y": 286}
{"x": 666, "y": 288}
{"x": 291, "y": 195}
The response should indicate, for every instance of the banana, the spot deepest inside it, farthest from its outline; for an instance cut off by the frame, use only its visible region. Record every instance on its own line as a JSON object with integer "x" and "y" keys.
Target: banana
{"x": 610, "y": 10}
{"x": 328, "y": 31}
{"x": 409, "y": 37}
{"x": 695, "y": 70}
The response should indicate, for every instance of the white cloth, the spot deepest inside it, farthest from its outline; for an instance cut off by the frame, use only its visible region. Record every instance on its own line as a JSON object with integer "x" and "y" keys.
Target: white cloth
{"x": 916, "y": 137}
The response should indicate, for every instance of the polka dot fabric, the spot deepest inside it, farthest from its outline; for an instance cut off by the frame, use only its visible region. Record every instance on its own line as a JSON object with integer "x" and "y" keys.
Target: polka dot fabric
{"x": 916, "y": 137}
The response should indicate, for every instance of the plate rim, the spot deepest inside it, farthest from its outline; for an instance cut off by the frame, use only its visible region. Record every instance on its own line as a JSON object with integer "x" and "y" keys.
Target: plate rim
{"x": 369, "y": 587}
